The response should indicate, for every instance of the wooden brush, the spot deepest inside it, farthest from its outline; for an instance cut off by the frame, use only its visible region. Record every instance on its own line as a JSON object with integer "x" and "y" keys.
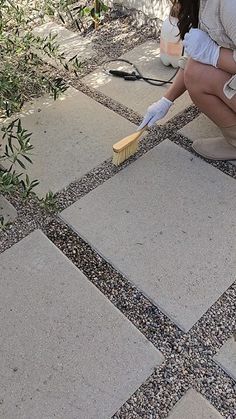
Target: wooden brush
{"x": 126, "y": 147}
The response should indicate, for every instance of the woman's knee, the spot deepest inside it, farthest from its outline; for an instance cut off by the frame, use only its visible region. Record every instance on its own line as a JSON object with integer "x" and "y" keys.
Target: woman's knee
{"x": 202, "y": 78}
{"x": 195, "y": 76}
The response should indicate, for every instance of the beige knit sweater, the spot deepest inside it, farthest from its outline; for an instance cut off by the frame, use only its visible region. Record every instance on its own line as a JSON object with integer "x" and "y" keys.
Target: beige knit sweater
{"x": 218, "y": 19}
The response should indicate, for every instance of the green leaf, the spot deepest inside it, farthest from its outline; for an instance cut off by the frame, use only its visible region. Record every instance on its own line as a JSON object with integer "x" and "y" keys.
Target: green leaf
{"x": 6, "y": 150}
{"x": 27, "y": 158}
{"x": 20, "y": 163}
{"x": 73, "y": 58}
{"x": 19, "y": 127}
{"x": 35, "y": 183}
{"x": 62, "y": 19}
{"x": 104, "y": 7}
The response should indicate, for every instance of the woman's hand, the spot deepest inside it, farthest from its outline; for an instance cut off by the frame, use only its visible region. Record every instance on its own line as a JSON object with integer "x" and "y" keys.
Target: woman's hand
{"x": 199, "y": 46}
{"x": 155, "y": 112}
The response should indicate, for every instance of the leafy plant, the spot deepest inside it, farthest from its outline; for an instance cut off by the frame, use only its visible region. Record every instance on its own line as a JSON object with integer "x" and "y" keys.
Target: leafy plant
{"x": 8, "y": 181}
{"x": 21, "y": 67}
{"x": 18, "y": 151}
{"x": 21, "y": 148}
{"x": 94, "y": 11}
{"x": 79, "y": 15}
{"x": 49, "y": 202}
{"x": 27, "y": 186}
{"x": 22, "y": 77}
{"x": 3, "y": 223}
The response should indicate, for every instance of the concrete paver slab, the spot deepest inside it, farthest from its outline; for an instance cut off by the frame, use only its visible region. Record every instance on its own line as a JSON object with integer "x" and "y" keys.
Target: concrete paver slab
{"x": 71, "y": 136}
{"x": 7, "y": 210}
{"x": 167, "y": 222}
{"x": 70, "y": 43}
{"x": 226, "y": 357}
{"x": 66, "y": 351}
{"x": 138, "y": 95}
{"x": 194, "y": 406}
{"x": 201, "y": 127}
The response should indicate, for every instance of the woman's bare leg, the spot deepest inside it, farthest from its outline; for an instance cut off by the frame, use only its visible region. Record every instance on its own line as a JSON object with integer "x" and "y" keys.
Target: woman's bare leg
{"x": 205, "y": 86}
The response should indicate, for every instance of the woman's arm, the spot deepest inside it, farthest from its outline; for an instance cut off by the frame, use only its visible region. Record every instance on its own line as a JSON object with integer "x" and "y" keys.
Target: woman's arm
{"x": 158, "y": 110}
{"x": 177, "y": 88}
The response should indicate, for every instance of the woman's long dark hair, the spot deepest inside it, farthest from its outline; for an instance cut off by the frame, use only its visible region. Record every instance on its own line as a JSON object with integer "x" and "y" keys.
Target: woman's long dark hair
{"x": 187, "y": 13}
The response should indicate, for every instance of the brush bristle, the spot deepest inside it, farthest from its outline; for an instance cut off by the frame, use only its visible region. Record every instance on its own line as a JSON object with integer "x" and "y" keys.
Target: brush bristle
{"x": 124, "y": 154}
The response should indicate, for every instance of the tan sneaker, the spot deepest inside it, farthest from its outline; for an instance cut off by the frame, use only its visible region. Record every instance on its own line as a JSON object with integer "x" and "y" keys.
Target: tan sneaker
{"x": 220, "y": 148}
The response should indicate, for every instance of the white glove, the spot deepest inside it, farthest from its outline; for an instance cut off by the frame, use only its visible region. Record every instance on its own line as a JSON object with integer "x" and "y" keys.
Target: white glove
{"x": 199, "y": 46}
{"x": 156, "y": 111}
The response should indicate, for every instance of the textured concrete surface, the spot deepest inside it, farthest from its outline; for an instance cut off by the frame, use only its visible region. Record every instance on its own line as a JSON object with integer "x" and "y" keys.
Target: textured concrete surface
{"x": 194, "y": 406}
{"x": 201, "y": 127}
{"x": 66, "y": 351}
{"x": 70, "y": 43}
{"x": 138, "y": 95}
{"x": 167, "y": 222}
{"x": 71, "y": 136}
{"x": 226, "y": 357}
{"x": 7, "y": 210}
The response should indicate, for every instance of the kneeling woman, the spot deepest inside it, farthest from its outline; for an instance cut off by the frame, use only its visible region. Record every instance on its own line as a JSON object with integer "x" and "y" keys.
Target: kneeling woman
{"x": 208, "y": 31}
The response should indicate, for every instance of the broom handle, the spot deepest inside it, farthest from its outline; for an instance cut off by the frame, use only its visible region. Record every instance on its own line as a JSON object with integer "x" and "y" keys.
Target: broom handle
{"x": 141, "y": 131}
{"x": 122, "y": 144}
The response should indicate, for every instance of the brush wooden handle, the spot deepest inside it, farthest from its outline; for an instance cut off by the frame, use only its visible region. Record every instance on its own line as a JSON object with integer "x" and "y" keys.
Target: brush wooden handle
{"x": 122, "y": 144}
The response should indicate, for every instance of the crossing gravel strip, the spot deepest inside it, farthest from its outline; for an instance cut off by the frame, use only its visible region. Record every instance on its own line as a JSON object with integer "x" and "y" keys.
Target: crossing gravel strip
{"x": 31, "y": 216}
{"x": 188, "y": 357}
